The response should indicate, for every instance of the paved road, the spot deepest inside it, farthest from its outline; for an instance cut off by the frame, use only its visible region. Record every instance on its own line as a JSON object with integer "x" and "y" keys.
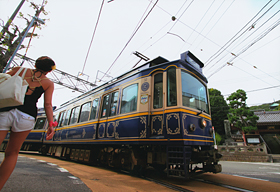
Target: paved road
{"x": 32, "y": 175}
{"x": 255, "y": 170}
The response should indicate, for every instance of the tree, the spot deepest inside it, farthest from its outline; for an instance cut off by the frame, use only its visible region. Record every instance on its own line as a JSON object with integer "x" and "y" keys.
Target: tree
{"x": 219, "y": 110}
{"x": 11, "y": 38}
{"x": 239, "y": 114}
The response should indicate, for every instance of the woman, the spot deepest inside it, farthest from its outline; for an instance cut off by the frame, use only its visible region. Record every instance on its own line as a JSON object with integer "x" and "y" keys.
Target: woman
{"x": 20, "y": 120}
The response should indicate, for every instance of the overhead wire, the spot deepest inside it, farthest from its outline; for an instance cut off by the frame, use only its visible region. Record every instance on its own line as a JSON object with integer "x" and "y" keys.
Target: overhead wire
{"x": 229, "y": 62}
{"x": 216, "y": 21}
{"x": 201, "y": 19}
{"x": 93, "y": 35}
{"x": 248, "y": 46}
{"x": 244, "y": 49}
{"x": 225, "y": 46}
{"x": 130, "y": 38}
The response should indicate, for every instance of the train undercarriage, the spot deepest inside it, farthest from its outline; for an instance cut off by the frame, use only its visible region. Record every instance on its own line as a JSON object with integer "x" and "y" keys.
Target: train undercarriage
{"x": 175, "y": 161}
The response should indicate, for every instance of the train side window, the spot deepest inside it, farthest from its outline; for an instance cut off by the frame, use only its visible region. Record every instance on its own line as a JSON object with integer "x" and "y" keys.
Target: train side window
{"x": 85, "y": 109}
{"x": 129, "y": 99}
{"x": 171, "y": 87}
{"x": 114, "y": 103}
{"x": 40, "y": 122}
{"x": 158, "y": 91}
{"x": 105, "y": 106}
{"x": 67, "y": 116}
{"x": 109, "y": 106}
{"x": 56, "y": 117}
{"x": 74, "y": 115}
{"x": 61, "y": 117}
{"x": 94, "y": 109}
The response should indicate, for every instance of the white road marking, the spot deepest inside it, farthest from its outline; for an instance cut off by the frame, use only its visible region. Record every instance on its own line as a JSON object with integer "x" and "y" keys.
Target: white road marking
{"x": 51, "y": 164}
{"x": 42, "y": 161}
{"x": 63, "y": 170}
{"x": 76, "y": 180}
{"x": 73, "y": 177}
{"x": 275, "y": 173}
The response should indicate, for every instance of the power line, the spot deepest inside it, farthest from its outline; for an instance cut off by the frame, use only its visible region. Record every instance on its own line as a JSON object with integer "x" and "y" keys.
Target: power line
{"x": 130, "y": 39}
{"x": 250, "y": 45}
{"x": 93, "y": 35}
{"x": 216, "y": 21}
{"x": 265, "y": 88}
{"x": 224, "y": 47}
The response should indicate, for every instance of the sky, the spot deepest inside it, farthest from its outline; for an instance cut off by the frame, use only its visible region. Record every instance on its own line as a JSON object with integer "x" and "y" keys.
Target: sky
{"x": 237, "y": 40}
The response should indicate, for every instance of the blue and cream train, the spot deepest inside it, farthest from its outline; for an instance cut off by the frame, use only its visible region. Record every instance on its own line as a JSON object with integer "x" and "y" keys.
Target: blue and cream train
{"x": 156, "y": 114}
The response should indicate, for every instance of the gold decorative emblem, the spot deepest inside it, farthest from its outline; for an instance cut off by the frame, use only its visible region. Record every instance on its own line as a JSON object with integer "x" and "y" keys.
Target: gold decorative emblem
{"x": 160, "y": 131}
{"x": 168, "y": 117}
{"x": 143, "y": 133}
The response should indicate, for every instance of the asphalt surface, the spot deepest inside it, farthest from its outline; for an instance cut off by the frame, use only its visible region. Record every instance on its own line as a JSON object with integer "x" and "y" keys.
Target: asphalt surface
{"x": 254, "y": 170}
{"x": 31, "y": 174}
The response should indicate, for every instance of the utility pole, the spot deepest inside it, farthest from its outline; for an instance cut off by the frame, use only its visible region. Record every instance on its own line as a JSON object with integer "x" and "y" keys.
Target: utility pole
{"x": 6, "y": 27}
{"x": 26, "y": 32}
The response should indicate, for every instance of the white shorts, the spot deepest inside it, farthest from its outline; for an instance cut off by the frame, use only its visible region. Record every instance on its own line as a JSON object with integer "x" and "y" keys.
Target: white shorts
{"x": 16, "y": 121}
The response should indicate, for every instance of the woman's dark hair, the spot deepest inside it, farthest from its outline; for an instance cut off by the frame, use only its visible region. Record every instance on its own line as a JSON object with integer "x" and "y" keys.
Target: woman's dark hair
{"x": 45, "y": 63}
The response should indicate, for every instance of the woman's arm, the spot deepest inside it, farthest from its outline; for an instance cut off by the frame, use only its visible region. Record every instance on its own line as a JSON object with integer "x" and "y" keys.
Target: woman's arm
{"x": 49, "y": 109}
{"x": 13, "y": 71}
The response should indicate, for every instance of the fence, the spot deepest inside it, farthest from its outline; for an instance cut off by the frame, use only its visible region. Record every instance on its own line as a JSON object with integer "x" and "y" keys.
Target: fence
{"x": 256, "y": 153}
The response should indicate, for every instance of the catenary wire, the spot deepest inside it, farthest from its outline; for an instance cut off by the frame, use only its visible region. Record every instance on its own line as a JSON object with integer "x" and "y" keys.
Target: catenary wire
{"x": 130, "y": 38}
{"x": 215, "y": 55}
{"x": 94, "y": 31}
{"x": 250, "y": 45}
{"x": 216, "y": 21}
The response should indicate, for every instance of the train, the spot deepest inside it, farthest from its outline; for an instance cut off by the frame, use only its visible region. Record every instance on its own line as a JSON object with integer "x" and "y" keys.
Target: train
{"x": 155, "y": 115}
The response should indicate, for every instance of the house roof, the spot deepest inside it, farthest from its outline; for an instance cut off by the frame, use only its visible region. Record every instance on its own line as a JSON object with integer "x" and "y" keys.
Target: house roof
{"x": 268, "y": 116}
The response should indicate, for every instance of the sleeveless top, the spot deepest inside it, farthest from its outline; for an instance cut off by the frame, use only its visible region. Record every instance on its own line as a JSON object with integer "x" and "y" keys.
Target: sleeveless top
{"x": 30, "y": 102}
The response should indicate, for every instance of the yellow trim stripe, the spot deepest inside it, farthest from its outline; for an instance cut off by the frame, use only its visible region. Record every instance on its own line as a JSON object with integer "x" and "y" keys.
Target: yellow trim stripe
{"x": 130, "y": 140}
{"x": 134, "y": 115}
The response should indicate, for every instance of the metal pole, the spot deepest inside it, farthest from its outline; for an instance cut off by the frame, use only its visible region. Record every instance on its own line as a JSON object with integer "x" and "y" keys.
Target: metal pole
{"x": 26, "y": 32}
{"x": 11, "y": 19}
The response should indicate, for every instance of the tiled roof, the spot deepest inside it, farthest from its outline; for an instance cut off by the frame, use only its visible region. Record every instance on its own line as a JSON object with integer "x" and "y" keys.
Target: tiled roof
{"x": 268, "y": 116}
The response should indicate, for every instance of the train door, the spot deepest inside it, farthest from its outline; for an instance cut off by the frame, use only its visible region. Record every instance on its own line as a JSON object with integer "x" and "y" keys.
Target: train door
{"x": 106, "y": 126}
{"x": 157, "y": 105}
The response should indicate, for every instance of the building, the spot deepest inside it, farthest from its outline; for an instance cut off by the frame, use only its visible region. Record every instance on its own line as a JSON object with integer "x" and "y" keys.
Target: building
{"x": 269, "y": 129}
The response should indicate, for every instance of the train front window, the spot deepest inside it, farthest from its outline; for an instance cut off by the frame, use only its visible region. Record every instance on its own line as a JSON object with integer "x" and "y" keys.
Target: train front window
{"x": 194, "y": 92}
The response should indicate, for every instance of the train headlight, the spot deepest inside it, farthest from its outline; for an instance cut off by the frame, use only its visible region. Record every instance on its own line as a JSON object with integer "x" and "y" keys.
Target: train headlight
{"x": 203, "y": 123}
{"x": 192, "y": 127}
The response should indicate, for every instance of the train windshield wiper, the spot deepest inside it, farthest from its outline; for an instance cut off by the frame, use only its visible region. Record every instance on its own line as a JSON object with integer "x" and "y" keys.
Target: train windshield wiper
{"x": 201, "y": 110}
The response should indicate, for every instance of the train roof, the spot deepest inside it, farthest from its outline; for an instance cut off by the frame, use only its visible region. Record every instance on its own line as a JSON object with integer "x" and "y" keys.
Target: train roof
{"x": 185, "y": 57}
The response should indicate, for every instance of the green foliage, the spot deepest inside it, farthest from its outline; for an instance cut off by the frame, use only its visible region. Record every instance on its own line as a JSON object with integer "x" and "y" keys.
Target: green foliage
{"x": 11, "y": 36}
{"x": 218, "y": 138}
{"x": 239, "y": 114}
{"x": 219, "y": 110}
{"x": 265, "y": 107}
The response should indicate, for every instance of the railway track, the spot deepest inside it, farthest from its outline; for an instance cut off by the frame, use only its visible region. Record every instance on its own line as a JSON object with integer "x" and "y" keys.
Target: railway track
{"x": 175, "y": 184}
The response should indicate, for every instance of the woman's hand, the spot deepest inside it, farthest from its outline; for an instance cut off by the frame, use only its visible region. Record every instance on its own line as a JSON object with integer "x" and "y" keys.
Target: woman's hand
{"x": 50, "y": 133}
